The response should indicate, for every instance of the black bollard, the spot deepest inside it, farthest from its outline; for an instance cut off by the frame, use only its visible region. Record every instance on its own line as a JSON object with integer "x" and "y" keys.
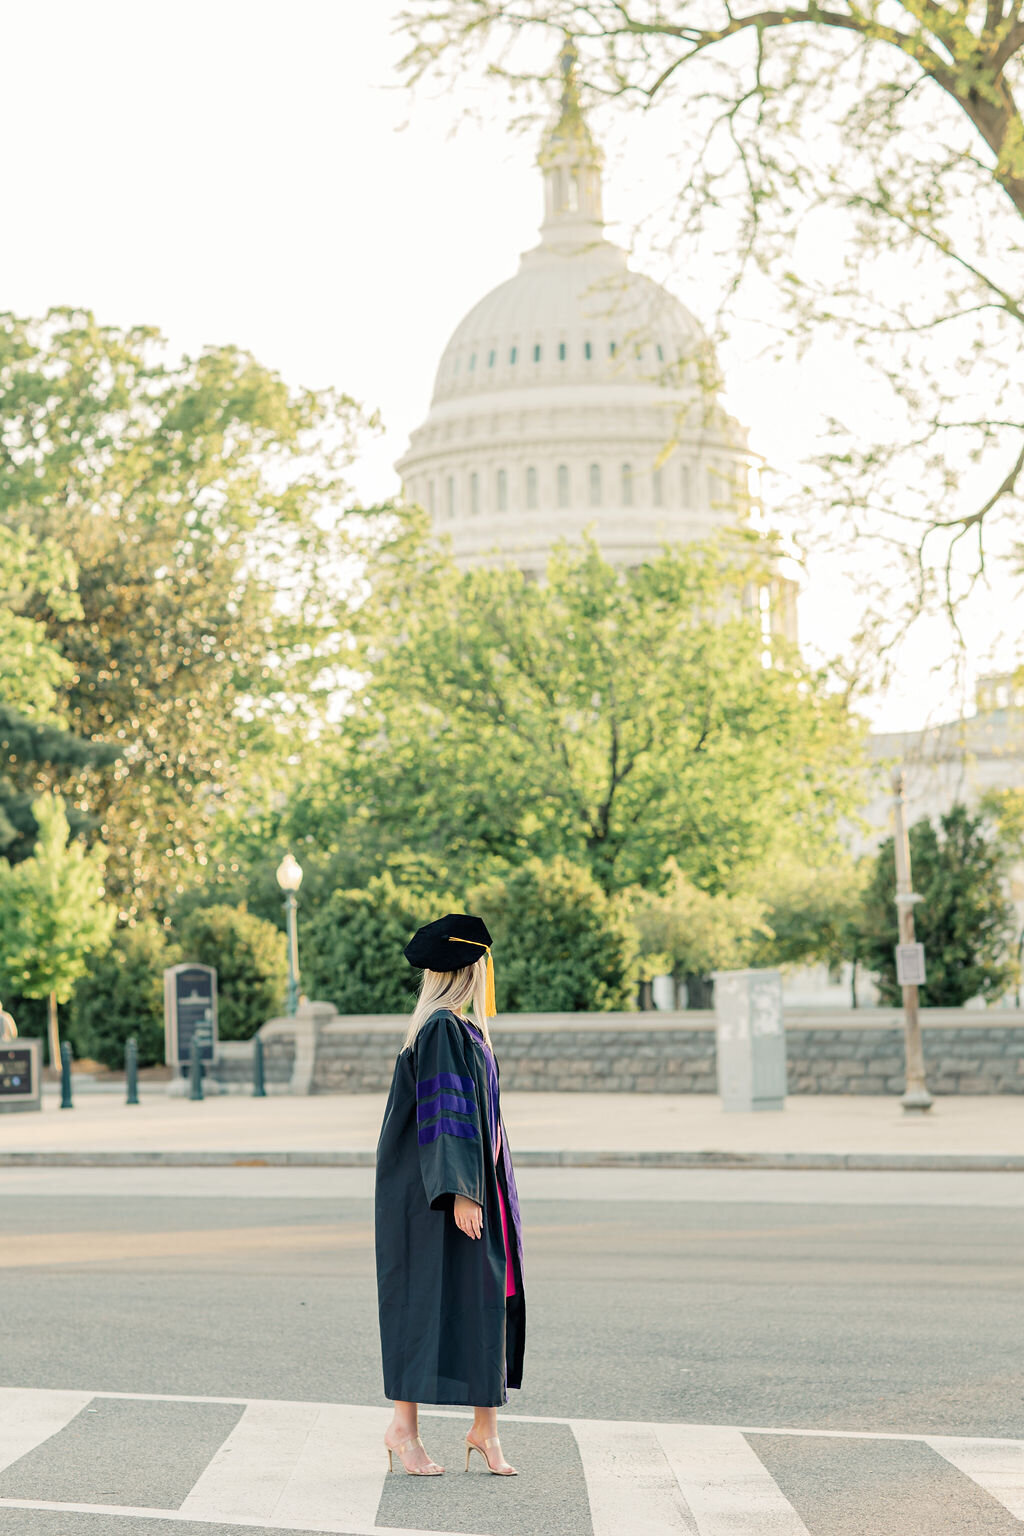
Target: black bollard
{"x": 65, "y": 1076}
{"x": 131, "y": 1070}
{"x": 259, "y": 1087}
{"x": 195, "y": 1071}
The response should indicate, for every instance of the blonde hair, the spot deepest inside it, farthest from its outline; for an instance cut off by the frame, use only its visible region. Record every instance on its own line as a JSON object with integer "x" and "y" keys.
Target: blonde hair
{"x": 451, "y": 989}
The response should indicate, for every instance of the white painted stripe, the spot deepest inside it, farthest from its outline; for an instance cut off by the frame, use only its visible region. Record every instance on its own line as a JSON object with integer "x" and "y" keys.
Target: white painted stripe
{"x": 28, "y": 1416}
{"x": 996, "y": 1465}
{"x": 549, "y": 1418}
{"x": 630, "y": 1484}
{"x": 728, "y": 1489}
{"x": 141, "y": 1513}
{"x": 339, "y": 1473}
{"x": 250, "y": 1472}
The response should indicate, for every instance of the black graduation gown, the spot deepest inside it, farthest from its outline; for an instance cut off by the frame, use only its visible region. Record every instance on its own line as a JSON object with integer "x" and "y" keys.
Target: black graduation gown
{"x": 448, "y": 1334}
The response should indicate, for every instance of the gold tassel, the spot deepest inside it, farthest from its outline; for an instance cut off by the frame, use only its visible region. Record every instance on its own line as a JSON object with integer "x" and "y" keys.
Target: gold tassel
{"x": 490, "y": 1004}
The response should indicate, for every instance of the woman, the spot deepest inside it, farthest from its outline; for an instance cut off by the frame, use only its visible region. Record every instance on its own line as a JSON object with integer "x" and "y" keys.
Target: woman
{"x": 449, "y": 1243}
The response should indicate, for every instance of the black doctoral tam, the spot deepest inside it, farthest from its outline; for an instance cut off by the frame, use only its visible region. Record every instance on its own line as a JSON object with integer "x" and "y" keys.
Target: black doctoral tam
{"x": 449, "y": 943}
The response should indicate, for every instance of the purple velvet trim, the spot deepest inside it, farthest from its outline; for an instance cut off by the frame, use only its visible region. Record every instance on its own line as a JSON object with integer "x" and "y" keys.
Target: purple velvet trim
{"x": 428, "y": 1133}
{"x": 429, "y": 1087}
{"x": 428, "y": 1108}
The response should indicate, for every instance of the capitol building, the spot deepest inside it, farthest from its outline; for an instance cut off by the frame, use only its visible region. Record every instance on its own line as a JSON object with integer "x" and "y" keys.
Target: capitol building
{"x": 579, "y": 396}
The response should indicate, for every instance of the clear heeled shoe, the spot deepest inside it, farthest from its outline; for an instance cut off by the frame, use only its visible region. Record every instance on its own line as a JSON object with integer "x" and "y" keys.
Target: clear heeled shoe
{"x": 473, "y": 1445}
{"x": 431, "y": 1471}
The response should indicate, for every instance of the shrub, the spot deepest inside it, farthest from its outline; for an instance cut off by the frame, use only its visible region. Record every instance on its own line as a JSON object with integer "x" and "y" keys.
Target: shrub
{"x": 122, "y": 994}
{"x": 561, "y": 945}
{"x": 352, "y": 946}
{"x": 250, "y": 959}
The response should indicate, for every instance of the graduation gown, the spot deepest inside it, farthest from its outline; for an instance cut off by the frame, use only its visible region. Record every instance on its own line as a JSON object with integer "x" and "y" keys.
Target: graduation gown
{"x": 448, "y": 1334}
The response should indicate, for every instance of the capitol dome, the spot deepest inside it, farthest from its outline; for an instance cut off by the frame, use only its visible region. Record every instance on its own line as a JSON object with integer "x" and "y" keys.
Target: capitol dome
{"x": 578, "y": 395}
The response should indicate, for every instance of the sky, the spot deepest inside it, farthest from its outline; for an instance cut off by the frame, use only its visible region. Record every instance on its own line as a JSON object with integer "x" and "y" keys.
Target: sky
{"x": 253, "y": 173}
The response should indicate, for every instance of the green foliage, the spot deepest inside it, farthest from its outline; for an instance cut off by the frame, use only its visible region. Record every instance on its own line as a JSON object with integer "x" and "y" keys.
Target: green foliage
{"x": 813, "y": 913}
{"x": 964, "y": 919}
{"x": 685, "y": 932}
{"x": 32, "y": 668}
{"x": 52, "y": 912}
{"x": 250, "y": 958}
{"x": 351, "y": 945}
{"x": 192, "y": 495}
{"x": 122, "y": 994}
{"x": 40, "y": 750}
{"x": 561, "y": 944}
{"x": 605, "y": 715}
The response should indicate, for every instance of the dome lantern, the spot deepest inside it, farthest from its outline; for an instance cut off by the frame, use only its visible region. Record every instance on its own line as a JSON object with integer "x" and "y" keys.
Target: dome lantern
{"x": 571, "y": 163}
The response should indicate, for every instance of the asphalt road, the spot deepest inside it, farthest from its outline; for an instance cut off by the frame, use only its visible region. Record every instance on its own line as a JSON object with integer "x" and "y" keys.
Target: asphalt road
{"x": 880, "y": 1309}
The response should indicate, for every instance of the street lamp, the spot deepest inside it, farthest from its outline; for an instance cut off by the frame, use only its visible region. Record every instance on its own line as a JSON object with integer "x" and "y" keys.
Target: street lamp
{"x": 289, "y": 878}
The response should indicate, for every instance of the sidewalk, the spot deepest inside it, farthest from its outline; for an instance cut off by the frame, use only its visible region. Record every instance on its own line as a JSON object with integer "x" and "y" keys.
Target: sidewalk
{"x": 544, "y": 1129}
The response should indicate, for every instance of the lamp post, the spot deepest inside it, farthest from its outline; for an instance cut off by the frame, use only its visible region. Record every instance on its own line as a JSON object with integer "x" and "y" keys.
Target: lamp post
{"x": 289, "y": 878}
{"x": 916, "y": 1097}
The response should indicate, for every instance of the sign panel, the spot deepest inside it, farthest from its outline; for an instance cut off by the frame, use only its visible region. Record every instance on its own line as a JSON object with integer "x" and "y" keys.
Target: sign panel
{"x": 20, "y": 1076}
{"x": 190, "y": 1013}
{"x": 910, "y": 965}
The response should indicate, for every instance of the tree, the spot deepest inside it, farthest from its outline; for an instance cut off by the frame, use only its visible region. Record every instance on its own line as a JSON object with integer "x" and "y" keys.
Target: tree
{"x": 813, "y": 914}
{"x": 607, "y": 715}
{"x": 561, "y": 944}
{"x": 122, "y": 994}
{"x": 249, "y": 957}
{"x": 889, "y": 138}
{"x": 52, "y": 914}
{"x": 964, "y": 919}
{"x": 199, "y": 498}
{"x": 32, "y": 669}
{"x": 32, "y": 672}
{"x": 352, "y": 945}
{"x": 687, "y": 934}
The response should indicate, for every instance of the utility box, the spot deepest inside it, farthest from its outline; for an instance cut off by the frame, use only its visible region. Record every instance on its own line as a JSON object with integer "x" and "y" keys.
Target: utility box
{"x": 20, "y": 1075}
{"x": 750, "y": 1039}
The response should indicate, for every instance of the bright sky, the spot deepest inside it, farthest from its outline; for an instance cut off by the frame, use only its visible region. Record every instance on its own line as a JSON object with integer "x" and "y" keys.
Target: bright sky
{"x": 236, "y": 171}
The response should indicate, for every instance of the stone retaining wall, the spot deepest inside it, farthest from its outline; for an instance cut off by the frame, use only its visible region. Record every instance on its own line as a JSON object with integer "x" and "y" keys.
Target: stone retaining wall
{"x": 835, "y": 1051}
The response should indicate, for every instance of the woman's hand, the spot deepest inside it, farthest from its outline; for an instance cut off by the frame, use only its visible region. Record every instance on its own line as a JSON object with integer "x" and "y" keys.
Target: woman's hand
{"x": 469, "y": 1216}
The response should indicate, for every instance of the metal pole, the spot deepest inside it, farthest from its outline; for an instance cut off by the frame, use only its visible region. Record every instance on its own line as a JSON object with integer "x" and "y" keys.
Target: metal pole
{"x": 65, "y": 1076}
{"x": 916, "y": 1098}
{"x": 293, "y": 953}
{"x": 131, "y": 1070}
{"x": 259, "y": 1087}
{"x": 195, "y": 1071}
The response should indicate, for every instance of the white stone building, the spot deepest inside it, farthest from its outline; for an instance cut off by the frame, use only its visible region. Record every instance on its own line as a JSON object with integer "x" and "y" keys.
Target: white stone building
{"x": 579, "y": 395}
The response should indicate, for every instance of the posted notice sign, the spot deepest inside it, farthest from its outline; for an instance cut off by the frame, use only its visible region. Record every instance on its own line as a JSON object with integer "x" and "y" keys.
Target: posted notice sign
{"x": 190, "y": 1013}
{"x": 910, "y": 965}
{"x": 20, "y": 1077}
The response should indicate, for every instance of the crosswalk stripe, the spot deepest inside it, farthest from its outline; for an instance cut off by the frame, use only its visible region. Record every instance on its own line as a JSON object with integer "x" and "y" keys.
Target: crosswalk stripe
{"x": 728, "y": 1489}
{"x": 298, "y": 1466}
{"x": 630, "y": 1484}
{"x": 340, "y": 1470}
{"x": 29, "y": 1415}
{"x": 250, "y": 1472}
{"x": 995, "y": 1465}
{"x": 173, "y": 1516}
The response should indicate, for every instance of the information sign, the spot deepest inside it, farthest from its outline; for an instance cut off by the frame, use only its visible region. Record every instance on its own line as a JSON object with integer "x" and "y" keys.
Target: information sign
{"x": 190, "y": 1013}
{"x": 20, "y": 1076}
{"x": 910, "y": 965}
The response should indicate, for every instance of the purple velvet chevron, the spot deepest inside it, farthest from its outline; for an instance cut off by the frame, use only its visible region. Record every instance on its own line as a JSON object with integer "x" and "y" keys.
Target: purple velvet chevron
{"x": 426, "y": 1109}
{"x": 428, "y": 1133}
{"x": 430, "y": 1086}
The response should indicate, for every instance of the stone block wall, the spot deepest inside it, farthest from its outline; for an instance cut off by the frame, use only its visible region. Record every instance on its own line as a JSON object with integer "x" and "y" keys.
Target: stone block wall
{"x": 831, "y": 1051}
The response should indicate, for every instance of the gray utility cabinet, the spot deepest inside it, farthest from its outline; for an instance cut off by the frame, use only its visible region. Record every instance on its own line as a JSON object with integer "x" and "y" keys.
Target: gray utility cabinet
{"x": 750, "y": 1039}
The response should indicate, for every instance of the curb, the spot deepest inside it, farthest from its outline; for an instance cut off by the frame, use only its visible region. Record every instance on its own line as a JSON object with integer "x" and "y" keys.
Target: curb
{"x": 879, "y": 1162}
